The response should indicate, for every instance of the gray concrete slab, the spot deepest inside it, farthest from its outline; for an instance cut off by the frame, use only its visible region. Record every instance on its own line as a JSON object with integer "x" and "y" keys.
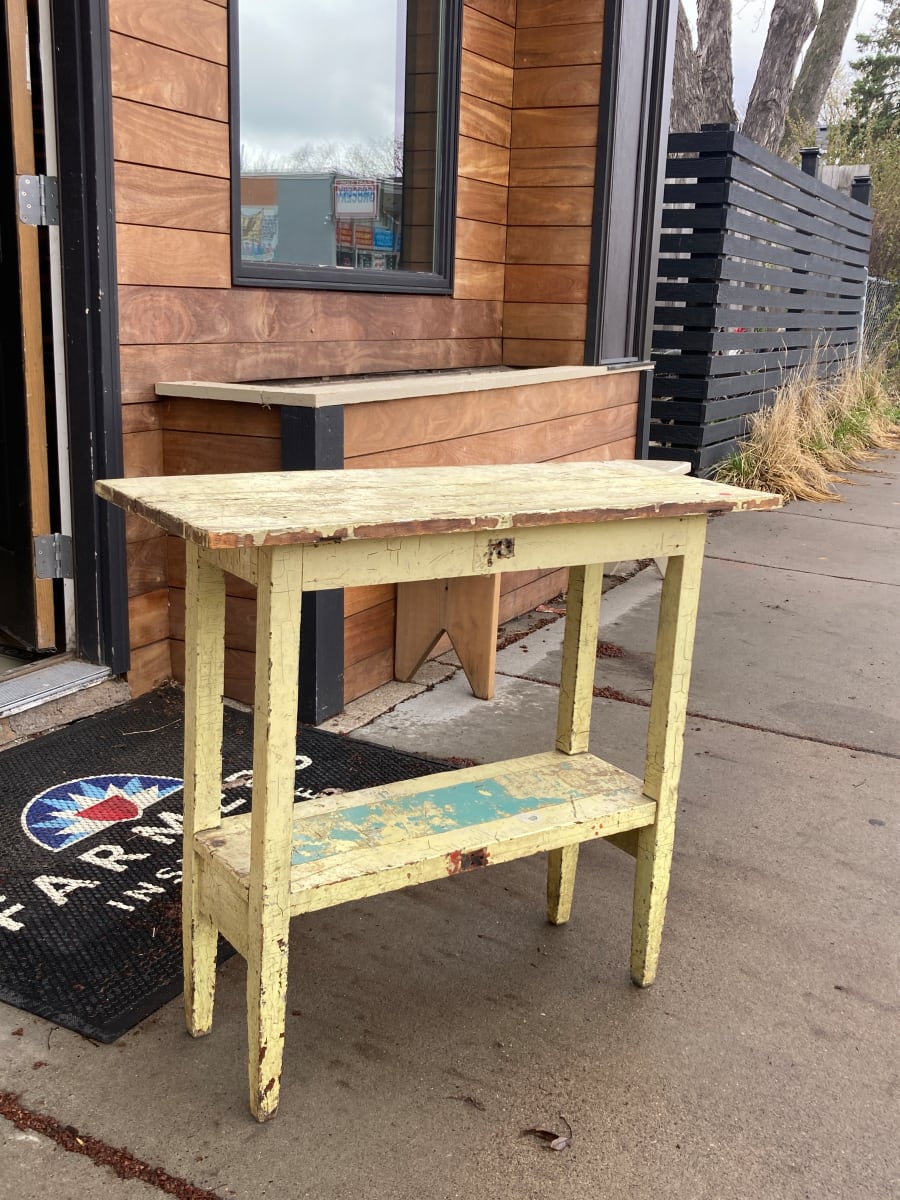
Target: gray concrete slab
{"x": 803, "y": 654}
{"x": 32, "y": 1168}
{"x": 429, "y": 1027}
{"x": 868, "y": 497}
{"x": 804, "y": 541}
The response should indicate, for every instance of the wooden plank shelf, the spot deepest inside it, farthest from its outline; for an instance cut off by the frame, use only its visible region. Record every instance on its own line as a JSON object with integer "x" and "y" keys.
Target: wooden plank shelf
{"x": 368, "y": 842}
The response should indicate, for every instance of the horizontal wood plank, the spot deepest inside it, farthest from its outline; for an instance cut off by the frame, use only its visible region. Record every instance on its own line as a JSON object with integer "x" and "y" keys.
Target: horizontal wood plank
{"x": 167, "y": 79}
{"x": 363, "y": 677}
{"x": 219, "y": 453}
{"x": 487, "y": 36}
{"x": 159, "y": 315}
{"x": 554, "y": 127}
{"x": 171, "y": 199}
{"x": 369, "y": 632}
{"x": 552, "y": 166}
{"x": 557, "y": 12}
{"x": 148, "y": 617}
{"x": 150, "y": 667}
{"x": 500, "y": 10}
{"x": 478, "y": 280}
{"x": 548, "y": 284}
{"x": 485, "y": 79}
{"x": 559, "y": 45}
{"x": 483, "y": 121}
{"x": 157, "y": 138}
{"x": 172, "y": 257}
{"x": 542, "y": 352}
{"x": 196, "y": 27}
{"x": 551, "y": 206}
{"x": 142, "y": 452}
{"x": 147, "y": 564}
{"x": 549, "y": 87}
{"x": 484, "y": 161}
{"x": 392, "y": 424}
{"x": 217, "y": 416}
{"x": 481, "y": 241}
{"x": 563, "y": 245}
{"x": 548, "y": 321}
{"x": 479, "y": 201}
{"x": 359, "y": 598}
{"x": 523, "y": 444}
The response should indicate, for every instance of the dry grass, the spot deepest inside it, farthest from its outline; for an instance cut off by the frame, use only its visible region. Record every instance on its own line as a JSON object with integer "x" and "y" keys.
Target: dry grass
{"x": 816, "y": 430}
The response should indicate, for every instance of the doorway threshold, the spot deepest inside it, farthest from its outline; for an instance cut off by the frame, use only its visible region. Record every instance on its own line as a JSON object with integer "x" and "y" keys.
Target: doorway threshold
{"x": 43, "y": 682}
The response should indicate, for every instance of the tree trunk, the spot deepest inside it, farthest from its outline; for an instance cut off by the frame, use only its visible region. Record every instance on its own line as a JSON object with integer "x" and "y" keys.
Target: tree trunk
{"x": 716, "y": 75}
{"x": 819, "y": 66}
{"x": 791, "y": 23}
{"x": 685, "y": 113}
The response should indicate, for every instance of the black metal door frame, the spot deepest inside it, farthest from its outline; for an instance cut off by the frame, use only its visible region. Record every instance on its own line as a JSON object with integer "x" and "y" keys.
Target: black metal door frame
{"x": 87, "y": 218}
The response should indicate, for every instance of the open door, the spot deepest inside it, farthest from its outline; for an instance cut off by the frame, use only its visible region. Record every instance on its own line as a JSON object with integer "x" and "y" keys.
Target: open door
{"x": 26, "y": 602}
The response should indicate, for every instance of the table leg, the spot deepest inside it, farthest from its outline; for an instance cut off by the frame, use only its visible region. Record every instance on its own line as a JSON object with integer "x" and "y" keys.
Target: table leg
{"x": 204, "y": 657}
{"x": 274, "y": 753}
{"x": 665, "y": 742}
{"x": 573, "y": 725}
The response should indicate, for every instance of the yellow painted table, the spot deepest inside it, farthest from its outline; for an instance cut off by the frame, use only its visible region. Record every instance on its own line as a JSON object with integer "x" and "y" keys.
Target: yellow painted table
{"x": 287, "y": 533}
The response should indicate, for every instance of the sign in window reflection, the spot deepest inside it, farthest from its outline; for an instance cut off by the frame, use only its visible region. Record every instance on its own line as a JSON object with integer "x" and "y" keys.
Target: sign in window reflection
{"x": 339, "y": 133}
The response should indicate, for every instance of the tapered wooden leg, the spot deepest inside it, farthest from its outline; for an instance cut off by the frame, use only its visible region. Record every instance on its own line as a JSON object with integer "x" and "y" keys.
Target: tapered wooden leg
{"x": 203, "y": 684}
{"x": 561, "y": 866}
{"x": 466, "y": 609}
{"x": 274, "y": 753}
{"x": 573, "y": 725}
{"x": 668, "y": 708}
{"x": 579, "y": 659}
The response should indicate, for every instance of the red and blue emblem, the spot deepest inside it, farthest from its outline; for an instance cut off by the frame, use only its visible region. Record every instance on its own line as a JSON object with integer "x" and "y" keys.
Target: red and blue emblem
{"x": 69, "y": 812}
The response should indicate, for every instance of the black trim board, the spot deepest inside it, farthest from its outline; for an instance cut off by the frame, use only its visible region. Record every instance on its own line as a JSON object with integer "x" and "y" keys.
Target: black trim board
{"x": 312, "y": 439}
{"x": 635, "y": 93}
{"x": 84, "y": 125}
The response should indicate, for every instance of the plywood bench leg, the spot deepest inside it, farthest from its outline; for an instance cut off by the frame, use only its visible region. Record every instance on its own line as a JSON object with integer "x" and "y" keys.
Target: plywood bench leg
{"x": 466, "y": 609}
{"x": 561, "y": 866}
{"x": 204, "y": 673}
{"x": 274, "y": 754}
{"x": 668, "y": 708}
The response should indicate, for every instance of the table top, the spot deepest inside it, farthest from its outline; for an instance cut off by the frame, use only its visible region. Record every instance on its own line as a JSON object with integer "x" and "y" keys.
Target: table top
{"x": 287, "y": 507}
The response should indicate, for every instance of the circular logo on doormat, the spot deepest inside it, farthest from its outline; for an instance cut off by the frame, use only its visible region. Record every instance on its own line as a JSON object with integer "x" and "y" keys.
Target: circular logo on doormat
{"x": 69, "y": 812}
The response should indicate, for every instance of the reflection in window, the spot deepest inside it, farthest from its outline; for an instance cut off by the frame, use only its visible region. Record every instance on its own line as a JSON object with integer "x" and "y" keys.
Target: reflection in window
{"x": 342, "y": 113}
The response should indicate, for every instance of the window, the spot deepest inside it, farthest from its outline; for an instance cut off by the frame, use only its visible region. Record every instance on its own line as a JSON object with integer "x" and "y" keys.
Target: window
{"x": 344, "y": 133}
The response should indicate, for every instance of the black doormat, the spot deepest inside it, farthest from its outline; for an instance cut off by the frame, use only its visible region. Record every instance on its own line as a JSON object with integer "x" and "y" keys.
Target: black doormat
{"x": 90, "y": 854}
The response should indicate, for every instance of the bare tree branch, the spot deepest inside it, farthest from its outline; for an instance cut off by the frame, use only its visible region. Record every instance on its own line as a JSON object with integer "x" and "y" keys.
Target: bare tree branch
{"x": 818, "y": 70}
{"x": 791, "y": 23}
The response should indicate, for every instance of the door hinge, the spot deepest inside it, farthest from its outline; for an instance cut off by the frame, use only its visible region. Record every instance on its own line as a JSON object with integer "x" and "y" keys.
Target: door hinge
{"x": 38, "y": 199}
{"x": 53, "y": 556}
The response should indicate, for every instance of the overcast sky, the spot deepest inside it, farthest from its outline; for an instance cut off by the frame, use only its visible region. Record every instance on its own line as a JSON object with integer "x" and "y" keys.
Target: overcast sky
{"x": 751, "y": 19}
{"x": 321, "y": 71}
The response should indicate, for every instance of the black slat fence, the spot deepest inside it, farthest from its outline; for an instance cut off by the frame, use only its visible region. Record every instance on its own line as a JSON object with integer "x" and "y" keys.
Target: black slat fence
{"x": 762, "y": 270}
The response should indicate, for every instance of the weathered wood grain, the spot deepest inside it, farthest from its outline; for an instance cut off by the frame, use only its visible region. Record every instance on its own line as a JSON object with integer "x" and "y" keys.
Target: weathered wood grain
{"x": 286, "y": 507}
{"x": 195, "y": 27}
{"x": 167, "y": 79}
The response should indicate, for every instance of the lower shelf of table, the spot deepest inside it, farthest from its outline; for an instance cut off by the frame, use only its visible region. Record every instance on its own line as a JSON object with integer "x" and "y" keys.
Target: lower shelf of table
{"x": 363, "y": 843}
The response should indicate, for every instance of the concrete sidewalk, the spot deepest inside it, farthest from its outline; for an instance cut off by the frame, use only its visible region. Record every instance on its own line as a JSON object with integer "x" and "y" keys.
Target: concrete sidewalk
{"x": 430, "y": 1027}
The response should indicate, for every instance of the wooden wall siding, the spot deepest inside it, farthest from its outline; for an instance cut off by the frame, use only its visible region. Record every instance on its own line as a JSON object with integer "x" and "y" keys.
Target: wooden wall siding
{"x": 579, "y": 420}
{"x": 530, "y": 82}
{"x": 553, "y": 138}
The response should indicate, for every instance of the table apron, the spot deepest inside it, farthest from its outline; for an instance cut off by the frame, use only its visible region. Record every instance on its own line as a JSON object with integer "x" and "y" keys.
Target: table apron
{"x": 364, "y": 562}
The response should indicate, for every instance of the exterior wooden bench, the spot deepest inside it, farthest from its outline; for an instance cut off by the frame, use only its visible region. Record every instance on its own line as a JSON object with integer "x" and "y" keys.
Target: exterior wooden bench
{"x": 288, "y": 533}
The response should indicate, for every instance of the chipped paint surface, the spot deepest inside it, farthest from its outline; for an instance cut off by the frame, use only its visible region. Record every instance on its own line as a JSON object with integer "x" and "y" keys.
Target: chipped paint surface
{"x": 421, "y": 815}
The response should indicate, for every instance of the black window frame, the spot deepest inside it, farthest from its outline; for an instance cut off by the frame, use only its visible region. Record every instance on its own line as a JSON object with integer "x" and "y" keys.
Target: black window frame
{"x": 356, "y": 279}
